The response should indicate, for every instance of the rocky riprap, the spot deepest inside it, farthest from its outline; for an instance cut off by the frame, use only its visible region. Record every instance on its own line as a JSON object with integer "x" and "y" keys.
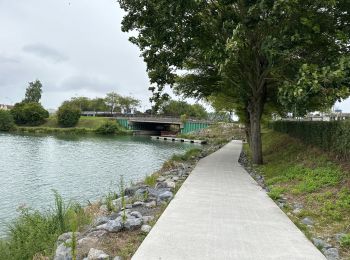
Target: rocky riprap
{"x": 140, "y": 208}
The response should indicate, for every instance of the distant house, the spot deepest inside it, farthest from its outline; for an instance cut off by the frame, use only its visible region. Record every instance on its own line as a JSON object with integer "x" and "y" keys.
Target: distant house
{"x": 5, "y": 107}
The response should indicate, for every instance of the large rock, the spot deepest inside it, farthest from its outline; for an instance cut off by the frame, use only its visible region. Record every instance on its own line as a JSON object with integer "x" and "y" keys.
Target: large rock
{"x": 151, "y": 204}
{"x": 118, "y": 202}
{"x": 95, "y": 254}
{"x": 63, "y": 252}
{"x": 167, "y": 195}
{"x": 331, "y": 253}
{"x": 147, "y": 219}
{"x": 133, "y": 223}
{"x": 146, "y": 228}
{"x": 307, "y": 221}
{"x": 170, "y": 184}
{"x": 320, "y": 243}
{"x": 100, "y": 220}
{"x": 111, "y": 226}
{"x": 136, "y": 214}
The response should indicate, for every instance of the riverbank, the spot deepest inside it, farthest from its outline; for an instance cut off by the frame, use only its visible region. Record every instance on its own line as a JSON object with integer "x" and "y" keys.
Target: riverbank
{"x": 310, "y": 186}
{"x": 118, "y": 222}
{"x": 86, "y": 125}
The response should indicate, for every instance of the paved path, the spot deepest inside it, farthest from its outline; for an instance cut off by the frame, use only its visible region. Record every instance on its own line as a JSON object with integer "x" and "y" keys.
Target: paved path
{"x": 221, "y": 213}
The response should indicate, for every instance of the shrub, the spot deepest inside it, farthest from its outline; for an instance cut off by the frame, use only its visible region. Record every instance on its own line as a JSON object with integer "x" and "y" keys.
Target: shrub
{"x": 35, "y": 232}
{"x": 109, "y": 127}
{"x": 29, "y": 113}
{"x": 331, "y": 136}
{"x": 68, "y": 115}
{"x": 6, "y": 121}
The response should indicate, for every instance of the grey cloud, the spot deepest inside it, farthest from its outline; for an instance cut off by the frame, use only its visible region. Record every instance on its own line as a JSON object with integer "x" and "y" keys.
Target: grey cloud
{"x": 5, "y": 59}
{"x": 44, "y": 51}
{"x": 81, "y": 82}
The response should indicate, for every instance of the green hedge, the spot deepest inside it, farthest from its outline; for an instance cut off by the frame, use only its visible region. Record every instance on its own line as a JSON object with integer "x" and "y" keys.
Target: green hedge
{"x": 331, "y": 136}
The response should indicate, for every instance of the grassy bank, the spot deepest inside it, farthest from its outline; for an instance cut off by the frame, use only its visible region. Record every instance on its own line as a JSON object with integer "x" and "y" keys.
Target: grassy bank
{"x": 306, "y": 176}
{"x": 86, "y": 125}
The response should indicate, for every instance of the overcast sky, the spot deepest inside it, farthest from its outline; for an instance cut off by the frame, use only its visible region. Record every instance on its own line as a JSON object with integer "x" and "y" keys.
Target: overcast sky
{"x": 74, "y": 47}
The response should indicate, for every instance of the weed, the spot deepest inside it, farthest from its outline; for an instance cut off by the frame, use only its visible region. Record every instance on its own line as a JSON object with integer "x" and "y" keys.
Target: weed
{"x": 151, "y": 180}
{"x": 276, "y": 193}
{"x": 345, "y": 241}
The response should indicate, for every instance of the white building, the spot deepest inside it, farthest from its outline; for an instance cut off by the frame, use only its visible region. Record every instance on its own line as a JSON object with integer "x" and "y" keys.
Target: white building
{"x": 5, "y": 107}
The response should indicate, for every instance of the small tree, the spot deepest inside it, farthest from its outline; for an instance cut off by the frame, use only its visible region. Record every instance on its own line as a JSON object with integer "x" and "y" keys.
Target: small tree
{"x": 6, "y": 120}
{"x": 68, "y": 115}
{"x": 112, "y": 100}
{"x": 29, "y": 113}
{"x": 33, "y": 92}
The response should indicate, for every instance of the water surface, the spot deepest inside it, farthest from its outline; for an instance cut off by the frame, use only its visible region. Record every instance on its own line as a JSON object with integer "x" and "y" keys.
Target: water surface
{"x": 79, "y": 168}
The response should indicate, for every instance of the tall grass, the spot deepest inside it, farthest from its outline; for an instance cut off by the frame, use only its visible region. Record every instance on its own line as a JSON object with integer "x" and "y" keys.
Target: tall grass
{"x": 35, "y": 232}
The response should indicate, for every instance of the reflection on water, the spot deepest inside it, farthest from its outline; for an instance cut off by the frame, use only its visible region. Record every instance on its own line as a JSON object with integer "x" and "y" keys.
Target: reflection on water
{"x": 78, "y": 167}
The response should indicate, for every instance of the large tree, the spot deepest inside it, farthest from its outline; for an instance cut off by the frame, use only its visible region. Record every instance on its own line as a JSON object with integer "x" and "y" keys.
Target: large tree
{"x": 248, "y": 50}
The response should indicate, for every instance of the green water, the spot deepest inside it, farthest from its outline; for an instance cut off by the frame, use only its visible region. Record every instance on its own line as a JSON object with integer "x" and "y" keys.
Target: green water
{"x": 79, "y": 168}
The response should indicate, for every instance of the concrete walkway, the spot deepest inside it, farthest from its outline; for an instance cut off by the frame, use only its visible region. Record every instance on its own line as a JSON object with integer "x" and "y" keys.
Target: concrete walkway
{"x": 221, "y": 213}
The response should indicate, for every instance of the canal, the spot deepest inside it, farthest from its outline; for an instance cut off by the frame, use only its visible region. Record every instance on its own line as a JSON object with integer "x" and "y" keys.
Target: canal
{"x": 80, "y": 168}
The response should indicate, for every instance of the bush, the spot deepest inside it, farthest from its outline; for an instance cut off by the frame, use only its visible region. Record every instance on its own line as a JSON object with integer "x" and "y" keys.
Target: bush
{"x": 109, "y": 127}
{"x": 6, "y": 121}
{"x": 68, "y": 115}
{"x": 331, "y": 136}
{"x": 35, "y": 232}
{"x": 29, "y": 113}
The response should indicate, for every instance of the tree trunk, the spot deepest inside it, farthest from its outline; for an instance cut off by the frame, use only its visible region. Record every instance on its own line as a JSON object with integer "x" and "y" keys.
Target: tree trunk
{"x": 255, "y": 113}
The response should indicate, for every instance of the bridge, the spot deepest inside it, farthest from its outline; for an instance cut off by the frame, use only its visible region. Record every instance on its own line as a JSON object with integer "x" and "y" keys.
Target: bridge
{"x": 162, "y": 125}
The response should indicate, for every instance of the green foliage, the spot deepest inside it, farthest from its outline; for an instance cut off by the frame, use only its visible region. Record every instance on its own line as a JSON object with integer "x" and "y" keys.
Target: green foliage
{"x": 276, "y": 193}
{"x": 33, "y": 92}
{"x": 345, "y": 241}
{"x": 151, "y": 180}
{"x": 68, "y": 116}
{"x": 6, "y": 121}
{"x": 179, "y": 108}
{"x": 190, "y": 154}
{"x": 26, "y": 113}
{"x": 223, "y": 51}
{"x": 331, "y": 136}
{"x": 109, "y": 200}
{"x": 36, "y": 232}
{"x": 108, "y": 128}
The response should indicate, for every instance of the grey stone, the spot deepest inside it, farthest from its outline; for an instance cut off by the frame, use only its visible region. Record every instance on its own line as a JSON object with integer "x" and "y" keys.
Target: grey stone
{"x": 97, "y": 233}
{"x": 138, "y": 204}
{"x": 95, "y": 254}
{"x": 146, "y": 219}
{"x": 118, "y": 202}
{"x": 140, "y": 191}
{"x": 133, "y": 223}
{"x": 331, "y": 253}
{"x": 118, "y": 258}
{"x": 307, "y": 221}
{"x": 65, "y": 236}
{"x": 151, "y": 204}
{"x": 296, "y": 211}
{"x": 167, "y": 195}
{"x": 111, "y": 226}
{"x": 175, "y": 178}
{"x": 170, "y": 184}
{"x": 88, "y": 241}
{"x": 160, "y": 179}
{"x": 100, "y": 220}
{"x": 128, "y": 206}
{"x": 63, "y": 252}
{"x": 113, "y": 215}
{"x": 339, "y": 236}
{"x": 161, "y": 185}
{"x": 136, "y": 214}
{"x": 146, "y": 228}
{"x": 319, "y": 243}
